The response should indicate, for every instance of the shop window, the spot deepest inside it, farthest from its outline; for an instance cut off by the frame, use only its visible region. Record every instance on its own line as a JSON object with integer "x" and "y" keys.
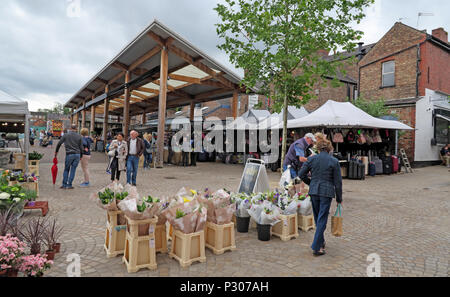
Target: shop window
{"x": 442, "y": 131}
{"x": 388, "y": 74}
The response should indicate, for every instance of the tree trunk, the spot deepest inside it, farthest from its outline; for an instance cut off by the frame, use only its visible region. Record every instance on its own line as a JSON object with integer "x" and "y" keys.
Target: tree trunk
{"x": 283, "y": 143}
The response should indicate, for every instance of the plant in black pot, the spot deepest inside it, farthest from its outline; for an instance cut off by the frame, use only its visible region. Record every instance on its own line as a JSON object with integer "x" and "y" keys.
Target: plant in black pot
{"x": 243, "y": 203}
{"x": 265, "y": 214}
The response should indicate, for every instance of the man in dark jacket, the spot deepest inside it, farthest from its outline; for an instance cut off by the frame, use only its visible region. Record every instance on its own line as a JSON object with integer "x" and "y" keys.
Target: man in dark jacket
{"x": 297, "y": 154}
{"x": 325, "y": 184}
{"x": 73, "y": 142}
{"x": 136, "y": 148}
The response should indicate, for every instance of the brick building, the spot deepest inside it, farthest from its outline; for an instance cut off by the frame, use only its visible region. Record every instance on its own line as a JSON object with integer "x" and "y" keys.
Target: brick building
{"x": 403, "y": 64}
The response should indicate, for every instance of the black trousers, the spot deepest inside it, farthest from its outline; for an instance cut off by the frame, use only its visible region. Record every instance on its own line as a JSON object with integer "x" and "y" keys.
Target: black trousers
{"x": 194, "y": 159}
{"x": 185, "y": 158}
{"x": 115, "y": 173}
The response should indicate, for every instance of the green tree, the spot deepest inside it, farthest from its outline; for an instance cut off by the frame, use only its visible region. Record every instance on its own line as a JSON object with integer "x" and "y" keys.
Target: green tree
{"x": 277, "y": 43}
{"x": 58, "y": 108}
{"x": 375, "y": 108}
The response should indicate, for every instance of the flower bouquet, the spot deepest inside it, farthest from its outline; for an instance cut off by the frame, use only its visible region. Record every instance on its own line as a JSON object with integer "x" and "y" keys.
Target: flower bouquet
{"x": 219, "y": 206}
{"x": 188, "y": 217}
{"x": 286, "y": 204}
{"x": 108, "y": 197}
{"x": 264, "y": 212}
{"x": 184, "y": 195}
{"x": 243, "y": 204}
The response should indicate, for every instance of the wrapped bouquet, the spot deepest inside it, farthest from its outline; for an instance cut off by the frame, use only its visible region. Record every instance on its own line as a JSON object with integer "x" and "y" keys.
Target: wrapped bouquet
{"x": 189, "y": 217}
{"x": 264, "y": 212}
{"x": 219, "y": 206}
{"x": 108, "y": 197}
{"x": 243, "y": 203}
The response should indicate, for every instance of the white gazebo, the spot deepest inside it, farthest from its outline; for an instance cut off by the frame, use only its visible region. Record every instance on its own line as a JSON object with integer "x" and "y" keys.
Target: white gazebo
{"x": 15, "y": 111}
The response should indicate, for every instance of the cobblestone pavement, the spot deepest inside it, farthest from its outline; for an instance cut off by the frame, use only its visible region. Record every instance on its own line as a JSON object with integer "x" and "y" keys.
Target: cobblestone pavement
{"x": 403, "y": 218}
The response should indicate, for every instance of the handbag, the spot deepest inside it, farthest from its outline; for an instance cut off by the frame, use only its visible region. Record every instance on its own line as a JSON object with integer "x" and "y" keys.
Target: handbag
{"x": 361, "y": 139}
{"x": 338, "y": 138}
{"x": 112, "y": 153}
{"x": 336, "y": 222}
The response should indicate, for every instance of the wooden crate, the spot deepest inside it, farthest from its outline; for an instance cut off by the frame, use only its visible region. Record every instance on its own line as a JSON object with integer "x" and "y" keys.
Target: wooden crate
{"x": 306, "y": 222}
{"x": 161, "y": 239}
{"x": 115, "y": 234}
{"x": 19, "y": 161}
{"x": 234, "y": 219}
{"x": 169, "y": 230}
{"x": 140, "y": 250}
{"x": 188, "y": 248}
{"x": 33, "y": 167}
{"x": 287, "y": 228}
{"x": 34, "y": 186}
{"x": 220, "y": 238}
{"x": 42, "y": 205}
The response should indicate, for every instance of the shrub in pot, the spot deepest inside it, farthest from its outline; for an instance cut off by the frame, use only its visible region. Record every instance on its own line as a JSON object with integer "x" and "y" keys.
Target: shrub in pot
{"x": 52, "y": 234}
{"x": 32, "y": 232}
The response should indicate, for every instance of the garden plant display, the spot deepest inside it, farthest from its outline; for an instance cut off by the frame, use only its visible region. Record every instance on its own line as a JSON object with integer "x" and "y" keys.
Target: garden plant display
{"x": 11, "y": 251}
{"x": 34, "y": 265}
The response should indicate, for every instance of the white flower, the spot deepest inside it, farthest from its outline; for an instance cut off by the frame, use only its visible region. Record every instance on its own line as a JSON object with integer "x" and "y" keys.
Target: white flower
{"x": 4, "y": 196}
{"x": 17, "y": 200}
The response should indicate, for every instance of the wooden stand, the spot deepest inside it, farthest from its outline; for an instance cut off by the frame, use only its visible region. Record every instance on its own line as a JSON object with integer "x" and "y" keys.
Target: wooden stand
{"x": 115, "y": 235}
{"x": 306, "y": 222}
{"x": 42, "y": 205}
{"x": 234, "y": 219}
{"x": 169, "y": 231}
{"x": 287, "y": 228}
{"x": 33, "y": 167}
{"x": 33, "y": 186}
{"x": 188, "y": 248}
{"x": 220, "y": 238}
{"x": 19, "y": 161}
{"x": 161, "y": 239}
{"x": 140, "y": 251}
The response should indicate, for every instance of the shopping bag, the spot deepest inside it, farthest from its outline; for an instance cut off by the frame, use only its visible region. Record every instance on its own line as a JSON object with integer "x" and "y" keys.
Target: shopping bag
{"x": 336, "y": 222}
{"x": 285, "y": 178}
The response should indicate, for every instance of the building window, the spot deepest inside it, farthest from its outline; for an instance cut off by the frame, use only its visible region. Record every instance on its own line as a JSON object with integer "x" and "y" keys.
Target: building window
{"x": 388, "y": 74}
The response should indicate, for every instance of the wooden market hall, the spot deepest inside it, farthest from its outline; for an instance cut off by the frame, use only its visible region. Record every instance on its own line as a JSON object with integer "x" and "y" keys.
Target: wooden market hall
{"x": 156, "y": 71}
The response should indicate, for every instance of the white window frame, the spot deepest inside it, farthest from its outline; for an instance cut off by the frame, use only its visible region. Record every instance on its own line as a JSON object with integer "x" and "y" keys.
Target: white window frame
{"x": 383, "y": 73}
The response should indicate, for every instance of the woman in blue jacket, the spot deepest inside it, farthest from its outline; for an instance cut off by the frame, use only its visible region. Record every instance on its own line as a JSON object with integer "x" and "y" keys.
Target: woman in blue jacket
{"x": 325, "y": 184}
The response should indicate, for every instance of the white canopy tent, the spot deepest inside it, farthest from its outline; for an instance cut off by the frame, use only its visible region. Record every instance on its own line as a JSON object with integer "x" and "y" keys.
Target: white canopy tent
{"x": 342, "y": 115}
{"x": 277, "y": 118}
{"x": 13, "y": 109}
{"x": 249, "y": 120}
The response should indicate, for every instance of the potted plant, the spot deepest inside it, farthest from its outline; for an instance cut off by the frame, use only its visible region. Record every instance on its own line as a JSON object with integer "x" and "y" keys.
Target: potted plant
{"x": 34, "y": 265}
{"x": 11, "y": 251}
{"x": 52, "y": 234}
{"x": 35, "y": 156}
{"x": 243, "y": 203}
{"x": 32, "y": 232}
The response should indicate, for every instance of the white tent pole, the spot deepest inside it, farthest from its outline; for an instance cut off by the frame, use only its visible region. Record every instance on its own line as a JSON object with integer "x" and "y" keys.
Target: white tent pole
{"x": 27, "y": 141}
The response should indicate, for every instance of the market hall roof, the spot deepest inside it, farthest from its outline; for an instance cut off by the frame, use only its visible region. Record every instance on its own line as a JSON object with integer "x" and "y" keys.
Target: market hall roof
{"x": 192, "y": 75}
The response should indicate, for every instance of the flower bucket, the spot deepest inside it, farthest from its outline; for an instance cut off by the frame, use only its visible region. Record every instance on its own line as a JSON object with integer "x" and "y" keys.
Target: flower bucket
{"x": 242, "y": 224}
{"x": 263, "y": 232}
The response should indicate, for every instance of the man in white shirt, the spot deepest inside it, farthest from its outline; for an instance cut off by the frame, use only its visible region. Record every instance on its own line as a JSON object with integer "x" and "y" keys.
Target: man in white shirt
{"x": 136, "y": 148}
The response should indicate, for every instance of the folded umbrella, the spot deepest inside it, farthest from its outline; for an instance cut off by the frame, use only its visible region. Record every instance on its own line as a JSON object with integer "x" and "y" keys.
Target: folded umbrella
{"x": 54, "y": 170}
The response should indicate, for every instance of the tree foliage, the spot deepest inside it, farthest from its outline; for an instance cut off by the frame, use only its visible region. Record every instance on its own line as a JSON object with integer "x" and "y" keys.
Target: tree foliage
{"x": 276, "y": 43}
{"x": 375, "y": 108}
{"x": 58, "y": 108}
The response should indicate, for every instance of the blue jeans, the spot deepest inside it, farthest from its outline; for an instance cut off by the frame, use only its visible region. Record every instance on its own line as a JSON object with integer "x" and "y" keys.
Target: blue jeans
{"x": 132, "y": 169}
{"x": 148, "y": 160}
{"x": 70, "y": 167}
{"x": 294, "y": 173}
{"x": 321, "y": 210}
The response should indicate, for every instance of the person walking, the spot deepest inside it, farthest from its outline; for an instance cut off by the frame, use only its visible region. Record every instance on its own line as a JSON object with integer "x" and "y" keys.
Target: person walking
{"x": 41, "y": 137}
{"x": 325, "y": 184}
{"x": 148, "y": 150}
{"x": 87, "y": 142}
{"x": 73, "y": 143}
{"x": 136, "y": 148}
{"x": 297, "y": 154}
{"x": 118, "y": 152}
{"x": 185, "y": 151}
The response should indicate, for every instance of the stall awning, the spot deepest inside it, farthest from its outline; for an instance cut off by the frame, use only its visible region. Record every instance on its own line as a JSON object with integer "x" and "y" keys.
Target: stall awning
{"x": 342, "y": 115}
{"x": 443, "y": 117}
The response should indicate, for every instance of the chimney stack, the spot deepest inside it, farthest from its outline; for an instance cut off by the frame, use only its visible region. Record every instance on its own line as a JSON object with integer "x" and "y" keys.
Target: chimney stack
{"x": 360, "y": 54}
{"x": 440, "y": 33}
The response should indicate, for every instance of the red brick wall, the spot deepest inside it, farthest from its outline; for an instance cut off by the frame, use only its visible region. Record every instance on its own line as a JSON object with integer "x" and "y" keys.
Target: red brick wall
{"x": 406, "y": 140}
{"x": 434, "y": 68}
{"x": 405, "y": 77}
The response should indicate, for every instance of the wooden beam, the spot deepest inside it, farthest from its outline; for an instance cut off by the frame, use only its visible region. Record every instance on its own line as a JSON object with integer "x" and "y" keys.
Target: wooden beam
{"x": 102, "y": 81}
{"x": 145, "y": 57}
{"x": 157, "y": 38}
{"x": 126, "y": 107}
{"x": 105, "y": 116}
{"x": 234, "y": 105}
{"x": 116, "y": 77}
{"x": 140, "y": 95}
{"x": 210, "y": 93}
{"x": 162, "y": 108}
{"x": 120, "y": 66}
{"x": 185, "y": 78}
{"x": 148, "y": 90}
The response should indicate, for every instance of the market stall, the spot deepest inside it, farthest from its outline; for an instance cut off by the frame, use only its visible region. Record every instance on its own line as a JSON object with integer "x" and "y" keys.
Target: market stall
{"x": 14, "y": 118}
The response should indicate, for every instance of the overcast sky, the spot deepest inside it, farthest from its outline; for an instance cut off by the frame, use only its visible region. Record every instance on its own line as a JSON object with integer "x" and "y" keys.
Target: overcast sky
{"x": 47, "y": 54}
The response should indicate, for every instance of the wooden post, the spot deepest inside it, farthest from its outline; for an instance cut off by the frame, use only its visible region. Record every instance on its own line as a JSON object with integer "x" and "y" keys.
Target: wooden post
{"x": 83, "y": 116}
{"x": 144, "y": 118}
{"x": 234, "y": 107}
{"x": 105, "y": 116}
{"x": 192, "y": 109}
{"x": 71, "y": 116}
{"x": 162, "y": 108}
{"x": 77, "y": 119}
{"x": 126, "y": 107}
{"x": 92, "y": 126}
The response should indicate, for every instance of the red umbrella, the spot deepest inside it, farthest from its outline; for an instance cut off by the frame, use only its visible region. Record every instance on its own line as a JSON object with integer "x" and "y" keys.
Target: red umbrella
{"x": 54, "y": 169}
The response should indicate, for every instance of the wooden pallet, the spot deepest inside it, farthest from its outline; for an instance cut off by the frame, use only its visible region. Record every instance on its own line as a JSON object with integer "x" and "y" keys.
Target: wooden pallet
{"x": 140, "y": 251}
{"x": 161, "y": 239}
{"x": 287, "y": 228}
{"x": 115, "y": 235}
{"x": 306, "y": 222}
{"x": 220, "y": 238}
{"x": 188, "y": 248}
